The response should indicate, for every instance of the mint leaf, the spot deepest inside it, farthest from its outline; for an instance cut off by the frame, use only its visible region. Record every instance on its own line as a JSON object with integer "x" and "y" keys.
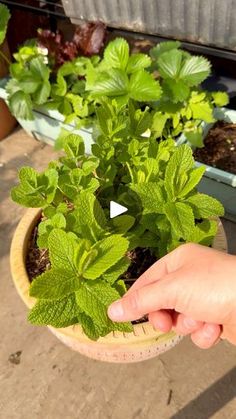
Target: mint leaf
{"x": 181, "y": 218}
{"x": 110, "y": 251}
{"x": 151, "y": 196}
{"x": 143, "y": 87}
{"x": 54, "y": 284}
{"x": 123, "y": 223}
{"x": 90, "y": 328}
{"x": 113, "y": 273}
{"x": 35, "y": 190}
{"x": 194, "y": 177}
{"x": 175, "y": 176}
{"x": 62, "y": 250}
{"x": 205, "y": 206}
{"x": 91, "y": 221}
{"x": 94, "y": 300}
{"x": 116, "y": 54}
{"x": 57, "y": 313}
{"x": 204, "y": 232}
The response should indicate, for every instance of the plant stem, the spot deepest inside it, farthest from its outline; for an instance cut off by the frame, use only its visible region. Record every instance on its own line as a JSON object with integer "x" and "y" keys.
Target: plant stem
{"x": 5, "y": 57}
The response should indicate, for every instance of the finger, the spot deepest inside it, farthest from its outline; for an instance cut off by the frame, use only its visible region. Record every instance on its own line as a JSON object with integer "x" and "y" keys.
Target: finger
{"x": 153, "y": 297}
{"x": 207, "y": 336}
{"x": 185, "y": 325}
{"x": 161, "y": 320}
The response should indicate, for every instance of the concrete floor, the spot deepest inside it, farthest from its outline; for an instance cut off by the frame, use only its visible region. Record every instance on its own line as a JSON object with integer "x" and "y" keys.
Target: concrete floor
{"x": 42, "y": 379}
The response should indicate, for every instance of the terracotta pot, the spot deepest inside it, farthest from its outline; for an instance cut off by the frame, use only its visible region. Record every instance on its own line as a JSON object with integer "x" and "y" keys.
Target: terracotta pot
{"x": 143, "y": 343}
{"x": 7, "y": 121}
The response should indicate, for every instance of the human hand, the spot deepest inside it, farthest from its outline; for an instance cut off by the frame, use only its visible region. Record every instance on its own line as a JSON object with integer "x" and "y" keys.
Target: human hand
{"x": 191, "y": 290}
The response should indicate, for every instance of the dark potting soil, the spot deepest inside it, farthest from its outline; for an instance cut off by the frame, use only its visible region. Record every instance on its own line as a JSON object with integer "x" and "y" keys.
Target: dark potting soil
{"x": 219, "y": 147}
{"x": 37, "y": 262}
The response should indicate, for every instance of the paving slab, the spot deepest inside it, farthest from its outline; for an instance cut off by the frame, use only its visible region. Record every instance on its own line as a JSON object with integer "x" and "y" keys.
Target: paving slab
{"x": 42, "y": 379}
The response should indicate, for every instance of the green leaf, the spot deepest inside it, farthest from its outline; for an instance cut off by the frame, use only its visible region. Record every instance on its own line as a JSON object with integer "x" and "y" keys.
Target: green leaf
{"x": 62, "y": 250}
{"x": 123, "y": 223}
{"x": 42, "y": 93}
{"x": 94, "y": 299}
{"x": 195, "y": 70}
{"x": 90, "y": 328}
{"x": 205, "y": 206}
{"x": 35, "y": 190}
{"x": 4, "y": 18}
{"x": 203, "y": 111}
{"x": 162, "y": 47}
{"x": 112, "y": 83}
{"x": 193, "y": 180}
{"x": 180, "y": 217}
{"x": 169, "y": 64}
{"x": 20, "y": 105}
{"x": 195, "y": 137}
{"x": 176, "y": 90}
{"x": 59, "y": 313}
{"x": 110, "y": 251}
{"x": 113, "y": 273}
{"x": 158, "y": 123}
{"x": 54, "y": 284}
{"x": 90, "y": 217}
{"x": 204, "y": 232}
{"x": 175, "y": 176}
{"x": 220, "y": 98}
{"x": 143, "y": 87}
{"x": 73, "y": 146}
{"x": 138, "y": 62}
{"x": 151, "y": 196}
{"x": 116, "y": 54}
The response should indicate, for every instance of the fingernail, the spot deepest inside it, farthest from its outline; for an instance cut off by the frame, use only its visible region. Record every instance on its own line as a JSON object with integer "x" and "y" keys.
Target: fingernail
{"x": 190, "y": 323}
{"x": 115, "y": 311}
{"x": 209, "y": 331}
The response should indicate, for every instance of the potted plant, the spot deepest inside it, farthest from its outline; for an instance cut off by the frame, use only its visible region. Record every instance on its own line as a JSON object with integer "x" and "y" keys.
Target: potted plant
{"x": 167, "y": 81}
{"x": 191, "y": 112}
{"x": 89, "y": 256}
{"x": 7, "y": 120}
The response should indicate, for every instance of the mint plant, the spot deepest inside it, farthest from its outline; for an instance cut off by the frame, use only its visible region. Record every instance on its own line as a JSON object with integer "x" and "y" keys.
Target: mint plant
{"x": 90, "y": 252}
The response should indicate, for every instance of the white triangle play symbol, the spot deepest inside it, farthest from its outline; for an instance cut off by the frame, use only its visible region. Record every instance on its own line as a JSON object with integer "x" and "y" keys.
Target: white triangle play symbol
{"x": 116, "y": 209}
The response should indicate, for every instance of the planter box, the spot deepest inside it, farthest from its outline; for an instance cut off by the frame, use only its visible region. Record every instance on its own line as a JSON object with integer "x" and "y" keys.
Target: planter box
{"x": 215, "y": 182}
{"x": 209, "y": 22}
{"x": 47, "y": 125}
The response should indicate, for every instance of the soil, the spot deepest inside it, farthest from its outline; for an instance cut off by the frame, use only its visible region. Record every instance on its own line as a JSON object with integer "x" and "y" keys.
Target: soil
{"x": 219, "y": 147}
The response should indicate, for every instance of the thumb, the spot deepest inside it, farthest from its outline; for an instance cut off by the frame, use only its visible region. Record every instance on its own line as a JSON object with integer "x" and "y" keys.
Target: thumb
{"x": 152, "y": 297}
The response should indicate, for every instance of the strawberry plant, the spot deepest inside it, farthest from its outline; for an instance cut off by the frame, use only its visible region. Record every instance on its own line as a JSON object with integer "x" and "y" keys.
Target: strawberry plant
{"x": 89, "y": 251}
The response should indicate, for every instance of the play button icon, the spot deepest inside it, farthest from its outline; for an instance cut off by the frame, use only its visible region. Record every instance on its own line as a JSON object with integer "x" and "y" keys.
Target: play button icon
{"x": 116, "y": 209}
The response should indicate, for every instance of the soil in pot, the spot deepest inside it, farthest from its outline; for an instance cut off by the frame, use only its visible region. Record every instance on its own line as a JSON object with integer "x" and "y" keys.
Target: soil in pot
{"x": 219, "y": 147}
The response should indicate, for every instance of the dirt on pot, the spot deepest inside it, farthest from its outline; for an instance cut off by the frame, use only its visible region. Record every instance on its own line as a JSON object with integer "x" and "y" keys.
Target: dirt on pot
{"x": 219, "y": 147}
